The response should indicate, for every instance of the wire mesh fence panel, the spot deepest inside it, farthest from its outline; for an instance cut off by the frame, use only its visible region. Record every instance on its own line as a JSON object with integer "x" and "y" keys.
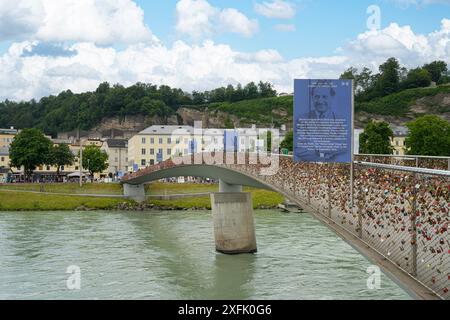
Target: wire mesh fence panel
{"x": 433, "y": 241}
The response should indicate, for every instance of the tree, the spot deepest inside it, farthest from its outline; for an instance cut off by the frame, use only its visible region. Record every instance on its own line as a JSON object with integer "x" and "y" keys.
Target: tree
{"x": 94, "y": 160}
{"x": 30, "y": 149}
{"x": 389, "y": 80}
{"x": 60, "y": 155}
{"x": 376, "y": 138}
{"x": 288, "y": 142}
{"x": 251, "y": 91}
{"x": 417, "y": 78}
{"x": 265, "y": 90}
{"x": 437, "y": 69}
{"x": 351, "y": 74}
{"x": 429, "y": 136}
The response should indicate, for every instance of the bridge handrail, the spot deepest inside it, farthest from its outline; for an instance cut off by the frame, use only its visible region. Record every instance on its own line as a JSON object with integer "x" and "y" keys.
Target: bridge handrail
{"x": 402, "y": 156}
{"x": 434, "y": 172}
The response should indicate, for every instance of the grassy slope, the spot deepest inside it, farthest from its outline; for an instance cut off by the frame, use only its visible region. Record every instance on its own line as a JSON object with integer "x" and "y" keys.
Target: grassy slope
{"x": 30, "y": 201}
{"x": 257, "y": 110}
{"x": 260, "y": 110}
{"x": 398, "y": 104}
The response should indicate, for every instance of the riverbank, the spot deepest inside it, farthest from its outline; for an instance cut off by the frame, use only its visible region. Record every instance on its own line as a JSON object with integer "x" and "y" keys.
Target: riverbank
{"x": 27, "y": 197}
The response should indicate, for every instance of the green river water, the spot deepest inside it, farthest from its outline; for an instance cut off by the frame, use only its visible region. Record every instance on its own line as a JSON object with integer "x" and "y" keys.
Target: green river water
{"x": 171, "y": 255}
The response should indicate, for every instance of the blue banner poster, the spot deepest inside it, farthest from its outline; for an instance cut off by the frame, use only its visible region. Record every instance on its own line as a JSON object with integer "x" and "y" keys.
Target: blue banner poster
{"x": 323, "y": 120}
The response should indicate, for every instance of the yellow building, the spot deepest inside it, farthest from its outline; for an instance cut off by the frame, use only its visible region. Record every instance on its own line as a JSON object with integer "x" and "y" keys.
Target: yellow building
{"x": 398, "y": 141}
{"x": 46, "y": 170}
{"x": 158, "y": 143}
{"x": 7, "y": 136}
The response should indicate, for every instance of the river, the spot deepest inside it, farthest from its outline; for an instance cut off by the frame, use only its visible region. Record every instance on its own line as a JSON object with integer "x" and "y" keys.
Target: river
{"x": 171, "y": 255}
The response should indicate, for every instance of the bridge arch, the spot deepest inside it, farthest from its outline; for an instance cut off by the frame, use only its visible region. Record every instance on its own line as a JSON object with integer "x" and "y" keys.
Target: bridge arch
{"x": 227, "y": 175}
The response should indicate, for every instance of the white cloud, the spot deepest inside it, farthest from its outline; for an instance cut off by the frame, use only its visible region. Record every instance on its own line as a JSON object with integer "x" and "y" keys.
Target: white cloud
{"x": 101, "y": 21}
{"x": 199, "y": 19}
{"x": 277, "y": 9}
{"x": 204, "y": 66}
{"x": 19, "y": 18}
{"x": 285, "y": 27}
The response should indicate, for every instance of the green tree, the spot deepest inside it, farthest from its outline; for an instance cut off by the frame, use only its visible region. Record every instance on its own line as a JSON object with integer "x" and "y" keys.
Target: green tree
{"x": 389, "y": 80}
{"x": 437, "y": 69}
{"x": 376, "y": 138}
{"x": 429, "y": 136}
{"x": 417, "y": 78}
{"x": 94, "y": 160}
{"x": 251, "y": 91}
{"x": 60, "y": 155}
{"x": 30, "y": 149}
{"x": 288, "y": 142}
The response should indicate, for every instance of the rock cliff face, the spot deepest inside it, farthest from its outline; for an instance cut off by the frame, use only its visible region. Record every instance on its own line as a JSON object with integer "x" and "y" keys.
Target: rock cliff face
{"x": 210, "y": 119}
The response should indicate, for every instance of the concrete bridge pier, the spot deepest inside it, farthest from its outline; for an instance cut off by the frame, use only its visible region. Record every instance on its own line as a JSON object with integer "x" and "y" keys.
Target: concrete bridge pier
{"x": 135, "y": 192}
{"x": 225, "y": 187}
{"x": 234, "y": 228}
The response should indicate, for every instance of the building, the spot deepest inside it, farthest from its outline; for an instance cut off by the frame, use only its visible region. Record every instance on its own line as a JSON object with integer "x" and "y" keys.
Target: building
{"x": 398, "y": 141}
{"x": 7, "y": 136}
{"x": 159, "y": 143}
{"x": 117, "y": 151}
{"x": 4, "y": 157}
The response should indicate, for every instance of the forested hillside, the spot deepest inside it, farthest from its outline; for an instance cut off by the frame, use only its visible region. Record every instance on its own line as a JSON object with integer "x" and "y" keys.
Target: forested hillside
{"x": 394, "y": 93}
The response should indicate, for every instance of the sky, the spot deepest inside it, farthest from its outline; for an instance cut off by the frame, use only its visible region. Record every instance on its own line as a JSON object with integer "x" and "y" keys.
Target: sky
{"x": 47, "y": 46}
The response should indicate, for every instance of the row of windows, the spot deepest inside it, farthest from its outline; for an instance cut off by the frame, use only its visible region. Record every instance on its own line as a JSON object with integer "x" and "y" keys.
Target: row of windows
{"x": 160, "y": 140}
{"x": 160, "y": 151}
{"x": 177, "y": 140}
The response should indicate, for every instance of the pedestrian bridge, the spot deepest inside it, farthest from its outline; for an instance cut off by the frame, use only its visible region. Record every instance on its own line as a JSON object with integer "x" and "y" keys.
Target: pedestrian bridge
{"x": 396, "y": 215}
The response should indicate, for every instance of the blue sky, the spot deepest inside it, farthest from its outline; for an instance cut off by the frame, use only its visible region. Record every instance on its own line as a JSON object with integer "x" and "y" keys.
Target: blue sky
{"x": 48, "y": 46}
{"x": 334, "y": 22}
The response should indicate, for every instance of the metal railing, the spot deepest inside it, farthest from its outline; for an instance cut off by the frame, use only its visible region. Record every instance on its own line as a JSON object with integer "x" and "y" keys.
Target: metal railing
{"x": 431, "y": 162}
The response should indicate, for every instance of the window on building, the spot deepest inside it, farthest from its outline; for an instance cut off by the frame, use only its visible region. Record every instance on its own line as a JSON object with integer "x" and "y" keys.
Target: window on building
{"x": 160, "y": 140}
{"x": 3, "y": 159}
{"x": 62, "y": 168}
{"x": 48, "y": 168}
{"x": 76, "y": 168}
{"x": 143, "y": 162}
{"x": 177, "y": 141}
{"x": 126, "y": 159}
{"x": 115, "y": 159}
{"x": 152, "y": 162}
{"x": 396, "y": 143}
{"x": 152, "y": 140}
{"x": 169, "y": 151}
{"x": 169, "y": 140}
{"x": 152, "y": 152}
{"x": 143, "y": 152}
{"x": 160, "y": 151}
{"x": 143, "y": 140}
